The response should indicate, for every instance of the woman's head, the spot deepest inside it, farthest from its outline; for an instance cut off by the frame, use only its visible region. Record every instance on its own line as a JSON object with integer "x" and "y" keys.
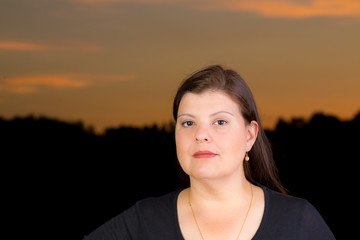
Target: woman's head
{"x": 214, "y": 90}
{"x": 216, "y": 78}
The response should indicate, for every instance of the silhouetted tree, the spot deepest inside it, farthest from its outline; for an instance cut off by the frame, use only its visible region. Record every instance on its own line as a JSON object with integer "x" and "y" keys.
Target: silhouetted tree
{"x": 65, "y": 180}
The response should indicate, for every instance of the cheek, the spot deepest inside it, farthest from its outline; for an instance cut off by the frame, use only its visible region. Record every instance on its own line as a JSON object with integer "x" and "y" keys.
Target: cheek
{"x": 233, "y": 144}
{"x": 182, "y": 143}
{"x": 182, "y": 149}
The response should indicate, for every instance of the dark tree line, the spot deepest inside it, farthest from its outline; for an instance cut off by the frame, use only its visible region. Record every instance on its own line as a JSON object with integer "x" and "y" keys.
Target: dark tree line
{"x": 60, "y": 180}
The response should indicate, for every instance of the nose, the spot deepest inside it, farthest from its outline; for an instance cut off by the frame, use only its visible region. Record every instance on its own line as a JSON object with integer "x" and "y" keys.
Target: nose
{"x": 202, "y": 135}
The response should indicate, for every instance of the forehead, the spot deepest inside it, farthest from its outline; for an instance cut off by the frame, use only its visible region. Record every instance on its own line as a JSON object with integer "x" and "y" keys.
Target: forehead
{"x": 208, "y": 101}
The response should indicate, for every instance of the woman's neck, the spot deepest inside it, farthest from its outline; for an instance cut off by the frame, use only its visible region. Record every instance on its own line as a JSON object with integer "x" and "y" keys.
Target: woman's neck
{"x": 219, "y": 193}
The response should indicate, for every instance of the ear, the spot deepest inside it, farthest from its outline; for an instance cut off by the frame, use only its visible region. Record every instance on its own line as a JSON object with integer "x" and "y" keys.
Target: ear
{"x": 252, "y": 131}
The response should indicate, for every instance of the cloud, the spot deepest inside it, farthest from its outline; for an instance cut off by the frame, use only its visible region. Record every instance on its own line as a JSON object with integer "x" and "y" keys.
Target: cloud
{"x": 28, "y": 46}
{"x": 130, "y": 1}
{"x": 31, "y": 84}
{"x": 267, "y": 8}
{"x": 291, "y": 9}
{"x": 24, "y": 46}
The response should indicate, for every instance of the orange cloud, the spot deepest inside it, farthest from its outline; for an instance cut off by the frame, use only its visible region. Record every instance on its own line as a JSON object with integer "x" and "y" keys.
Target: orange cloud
{"x": 129, "y": 1}
{"x": 273, "y": 8}
{"x": 26, "y": 46}
{"x": 291, "y": 9}
{"x": 31, "y": 84}
{"x": 22, "y": 46}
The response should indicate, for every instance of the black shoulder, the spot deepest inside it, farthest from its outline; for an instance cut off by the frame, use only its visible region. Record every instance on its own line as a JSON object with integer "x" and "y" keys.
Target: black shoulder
{"x": 290, "y": 215}
{"x": 144, "y": 220}
{"x": 114, "y": 229}
{"x": 156, "y": 205}
{"x": 152, "y": 216}
{"x": 286, "y": 204}
{"x": 313, "y": 225}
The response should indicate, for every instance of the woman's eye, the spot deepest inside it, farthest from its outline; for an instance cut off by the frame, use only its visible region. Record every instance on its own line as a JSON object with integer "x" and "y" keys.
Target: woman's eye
{"x": 187, "y": 123}
{"x": 220, "y": 122}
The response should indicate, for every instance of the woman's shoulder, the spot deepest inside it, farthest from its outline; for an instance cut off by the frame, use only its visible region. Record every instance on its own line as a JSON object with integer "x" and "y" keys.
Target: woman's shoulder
{"x": 277, "y": 199}
{"x": 151, "y": 216}
{"x": 296, "y": 215}
{"x": 146, "y": 218}
{"x": 155, "y": 205}
{"x": 287, "y": 206}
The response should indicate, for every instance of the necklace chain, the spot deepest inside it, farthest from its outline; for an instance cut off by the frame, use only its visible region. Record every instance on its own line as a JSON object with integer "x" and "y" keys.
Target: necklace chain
{"x": 247, "y": 213}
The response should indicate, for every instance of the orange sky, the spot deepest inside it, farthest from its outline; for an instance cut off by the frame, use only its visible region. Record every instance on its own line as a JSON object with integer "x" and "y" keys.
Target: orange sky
{"x": 114, "y": 62}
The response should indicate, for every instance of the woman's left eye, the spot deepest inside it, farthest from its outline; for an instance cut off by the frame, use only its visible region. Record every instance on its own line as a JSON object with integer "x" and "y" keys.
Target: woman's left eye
{"x": 220, "y": 122}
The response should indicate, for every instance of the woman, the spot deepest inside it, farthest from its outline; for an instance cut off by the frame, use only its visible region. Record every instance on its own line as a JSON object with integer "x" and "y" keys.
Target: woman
{"x": 234, "y": 189}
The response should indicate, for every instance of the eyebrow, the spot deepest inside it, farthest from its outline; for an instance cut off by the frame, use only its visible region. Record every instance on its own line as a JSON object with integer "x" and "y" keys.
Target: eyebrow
{"x": 186, "y": 114}
{"x": 211, "y": 115}
{"x": 220, "y": 112}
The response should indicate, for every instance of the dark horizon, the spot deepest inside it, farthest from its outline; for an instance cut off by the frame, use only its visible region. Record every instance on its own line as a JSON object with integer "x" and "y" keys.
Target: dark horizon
{"x": 67, "y": 180}
{"x": 165, "y": 124}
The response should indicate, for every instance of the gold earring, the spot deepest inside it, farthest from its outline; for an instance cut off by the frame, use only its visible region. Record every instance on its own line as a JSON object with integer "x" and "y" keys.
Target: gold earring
{"x": 247, "y": 158}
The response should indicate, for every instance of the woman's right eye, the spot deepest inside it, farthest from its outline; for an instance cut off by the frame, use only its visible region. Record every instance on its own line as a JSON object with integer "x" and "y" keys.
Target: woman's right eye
{"x": 187, "y": 123}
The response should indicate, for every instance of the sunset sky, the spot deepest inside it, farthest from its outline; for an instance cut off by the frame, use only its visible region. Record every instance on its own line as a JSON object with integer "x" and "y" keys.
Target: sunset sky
{"x": 119, "y": 62}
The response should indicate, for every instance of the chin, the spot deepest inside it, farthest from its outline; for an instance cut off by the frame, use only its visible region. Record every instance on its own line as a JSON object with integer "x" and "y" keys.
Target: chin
{"x": 205, "y": 173}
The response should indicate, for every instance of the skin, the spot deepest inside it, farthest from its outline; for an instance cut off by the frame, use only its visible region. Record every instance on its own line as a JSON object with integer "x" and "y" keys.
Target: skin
{"x": 212, "y": 123}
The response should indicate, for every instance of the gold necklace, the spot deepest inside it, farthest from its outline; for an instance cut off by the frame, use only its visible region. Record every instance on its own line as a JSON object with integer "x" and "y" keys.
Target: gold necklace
{"x": 247, "y": 213}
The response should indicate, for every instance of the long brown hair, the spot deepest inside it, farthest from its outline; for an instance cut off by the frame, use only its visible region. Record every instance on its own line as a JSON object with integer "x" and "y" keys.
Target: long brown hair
{"x": 261, "y": 168}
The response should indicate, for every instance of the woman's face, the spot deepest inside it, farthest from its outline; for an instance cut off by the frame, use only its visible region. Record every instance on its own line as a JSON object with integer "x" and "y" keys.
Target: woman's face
{"x": 212, "y": 135}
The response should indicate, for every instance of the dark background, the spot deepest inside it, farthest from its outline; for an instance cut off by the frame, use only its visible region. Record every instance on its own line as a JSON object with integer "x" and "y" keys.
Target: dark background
{"x": 60, "y": 180}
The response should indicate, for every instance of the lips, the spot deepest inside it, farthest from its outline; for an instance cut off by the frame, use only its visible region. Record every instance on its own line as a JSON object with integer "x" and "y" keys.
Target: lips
{"x": 204, "y": 154}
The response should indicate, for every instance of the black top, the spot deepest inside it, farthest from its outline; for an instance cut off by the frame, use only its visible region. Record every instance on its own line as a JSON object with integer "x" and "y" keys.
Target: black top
{"x": 285, "y": 218}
